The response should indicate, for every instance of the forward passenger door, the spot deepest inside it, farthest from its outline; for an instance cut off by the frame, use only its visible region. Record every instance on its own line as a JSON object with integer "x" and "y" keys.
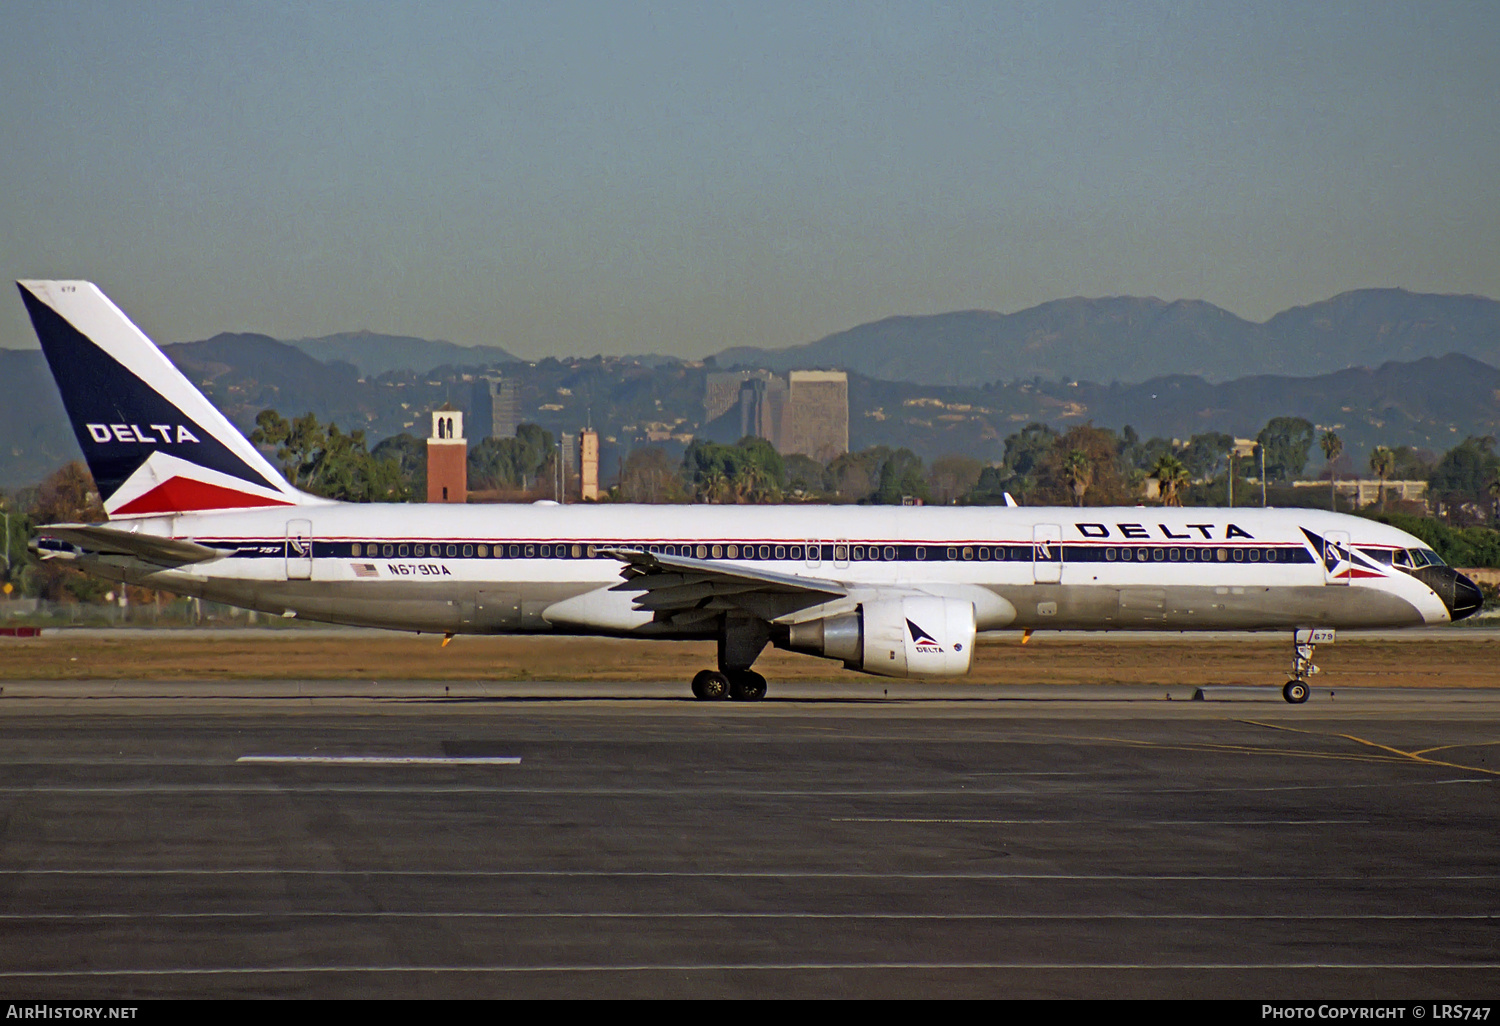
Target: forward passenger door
{"x": 1046, "y": 553}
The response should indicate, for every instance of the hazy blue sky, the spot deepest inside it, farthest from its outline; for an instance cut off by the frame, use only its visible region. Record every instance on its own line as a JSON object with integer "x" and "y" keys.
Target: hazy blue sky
{"x": 617, "y": 177}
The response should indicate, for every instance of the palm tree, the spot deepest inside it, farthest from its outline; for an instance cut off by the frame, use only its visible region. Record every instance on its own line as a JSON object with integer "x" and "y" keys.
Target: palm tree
{"x": 713, "y": 486}
{"x": 1333, "y": 448}
{"x": 1382, "y": 465}
{"x": 742, "y": 482}
{"x": 1170, "y": 475}
{"x": 1079, "y": 472}
{"x": 763, "y": 487}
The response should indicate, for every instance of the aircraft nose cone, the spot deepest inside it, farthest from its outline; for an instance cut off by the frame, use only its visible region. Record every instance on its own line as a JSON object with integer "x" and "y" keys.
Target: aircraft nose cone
{"x": 1461, "y": 595}
{"x": 1466, "y": 597}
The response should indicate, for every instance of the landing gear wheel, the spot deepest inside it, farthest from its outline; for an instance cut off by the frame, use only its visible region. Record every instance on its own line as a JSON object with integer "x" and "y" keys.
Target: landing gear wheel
{"x": 710, "y": 685}
{"x": 746, "y": 686}
{"x": 1295, "y": 692}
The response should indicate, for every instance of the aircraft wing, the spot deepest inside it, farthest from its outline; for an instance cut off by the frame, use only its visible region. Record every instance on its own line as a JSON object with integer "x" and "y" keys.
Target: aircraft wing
{"x": 166, "y": 552}
{"x": 682, "y": 589}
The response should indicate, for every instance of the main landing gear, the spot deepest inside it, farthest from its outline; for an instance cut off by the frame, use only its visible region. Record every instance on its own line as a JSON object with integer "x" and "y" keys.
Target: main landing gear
{"x": 741, "y": 639}
{"x": 1303, "y": 641}
{"x": 740, "y": 685}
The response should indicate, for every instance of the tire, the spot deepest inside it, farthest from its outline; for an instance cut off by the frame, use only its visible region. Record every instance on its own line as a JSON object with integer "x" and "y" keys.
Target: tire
{"x": 1295, "y": 692}
{"x": 710, "y": 685}
{"x": 746, "y": 686}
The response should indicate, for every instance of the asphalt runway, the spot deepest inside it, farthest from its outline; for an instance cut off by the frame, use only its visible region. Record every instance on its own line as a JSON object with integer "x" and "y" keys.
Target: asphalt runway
{"x": 339, "y": 839}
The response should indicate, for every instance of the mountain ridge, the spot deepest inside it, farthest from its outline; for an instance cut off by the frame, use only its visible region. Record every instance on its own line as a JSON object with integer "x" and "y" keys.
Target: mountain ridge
{"x": 1134, "y": 338}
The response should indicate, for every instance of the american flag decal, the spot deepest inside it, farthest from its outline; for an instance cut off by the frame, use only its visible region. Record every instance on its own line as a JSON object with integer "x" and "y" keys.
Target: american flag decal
{"x": 365, "y": 570}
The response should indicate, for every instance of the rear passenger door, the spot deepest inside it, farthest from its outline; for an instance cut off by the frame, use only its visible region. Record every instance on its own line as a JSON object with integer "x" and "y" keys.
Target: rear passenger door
{"x": 299, "y": 550}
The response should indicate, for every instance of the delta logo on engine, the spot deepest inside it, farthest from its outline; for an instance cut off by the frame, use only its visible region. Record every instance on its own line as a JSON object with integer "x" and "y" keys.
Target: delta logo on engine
{"x": 925, "y": 642}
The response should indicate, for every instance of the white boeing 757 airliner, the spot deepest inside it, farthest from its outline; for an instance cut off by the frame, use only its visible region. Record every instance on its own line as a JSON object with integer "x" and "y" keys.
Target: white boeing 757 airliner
{"x": 194, "y": 508}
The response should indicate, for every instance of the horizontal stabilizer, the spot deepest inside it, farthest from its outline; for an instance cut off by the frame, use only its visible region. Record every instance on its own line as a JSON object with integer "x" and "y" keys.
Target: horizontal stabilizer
{"x": 165, "y": 552}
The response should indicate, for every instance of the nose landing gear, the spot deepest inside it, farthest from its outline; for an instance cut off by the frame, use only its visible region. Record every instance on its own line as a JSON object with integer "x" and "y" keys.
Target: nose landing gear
{"x": 1304, "y": 641}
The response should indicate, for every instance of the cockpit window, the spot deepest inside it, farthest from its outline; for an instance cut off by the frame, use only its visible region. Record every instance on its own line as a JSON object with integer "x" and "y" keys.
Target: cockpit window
{"x": 1413, "y": 559}
{"x": 1382, "y": 556}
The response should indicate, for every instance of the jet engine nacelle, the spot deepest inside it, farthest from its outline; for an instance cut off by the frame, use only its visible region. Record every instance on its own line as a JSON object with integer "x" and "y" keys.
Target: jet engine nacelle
{"x": 915, "y": 636}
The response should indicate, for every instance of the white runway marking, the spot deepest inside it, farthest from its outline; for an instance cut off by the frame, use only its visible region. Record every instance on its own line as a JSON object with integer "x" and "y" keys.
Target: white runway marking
{"x": 1079, "y": 822}
{"x": 664, "y": 792}
{"x": 918, "y": 916}
{"x": 758, "y": 874}
{"x": 758, "y": 967}
{"x": 386, "y": 760}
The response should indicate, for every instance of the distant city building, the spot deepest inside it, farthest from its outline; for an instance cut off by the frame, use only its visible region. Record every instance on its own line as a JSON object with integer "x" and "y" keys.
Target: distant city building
{"x": 815, "y": 421}
{"x": 762, "y": 405}
{"x": 806, "y": 414}
{"x": 496, "y": 408}
{"x": 1363, "y": 491}
{"x": 588, "y": 465}
{"x": 447, "y": 457}
{"x": 722, "y": 391}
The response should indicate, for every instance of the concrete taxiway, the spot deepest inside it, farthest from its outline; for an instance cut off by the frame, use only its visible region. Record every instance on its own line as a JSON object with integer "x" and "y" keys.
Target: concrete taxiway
{"x": 412, "y": 839}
